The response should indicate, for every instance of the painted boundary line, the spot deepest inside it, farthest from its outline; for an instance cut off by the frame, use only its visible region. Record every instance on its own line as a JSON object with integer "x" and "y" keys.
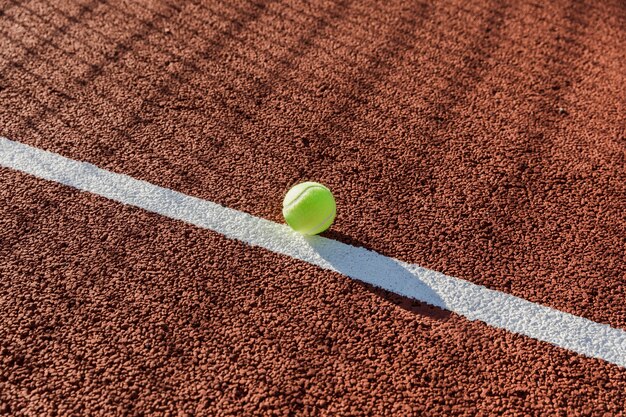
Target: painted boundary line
{"x": 472, "y": 301}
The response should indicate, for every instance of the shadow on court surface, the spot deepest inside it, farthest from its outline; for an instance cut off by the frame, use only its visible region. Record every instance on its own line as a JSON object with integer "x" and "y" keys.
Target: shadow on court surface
{"x": 380, "y": 275}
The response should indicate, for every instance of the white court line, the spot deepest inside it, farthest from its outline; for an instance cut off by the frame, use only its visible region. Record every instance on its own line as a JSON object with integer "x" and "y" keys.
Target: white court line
{"x": 473, "y": 301}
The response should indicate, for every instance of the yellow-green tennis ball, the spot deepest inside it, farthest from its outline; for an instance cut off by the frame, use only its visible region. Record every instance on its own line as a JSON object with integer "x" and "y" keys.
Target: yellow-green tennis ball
{"x": 309, "y": 208}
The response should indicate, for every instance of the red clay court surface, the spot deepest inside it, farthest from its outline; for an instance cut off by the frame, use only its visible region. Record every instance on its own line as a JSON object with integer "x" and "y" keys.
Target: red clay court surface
{"x": 484, "y": 140}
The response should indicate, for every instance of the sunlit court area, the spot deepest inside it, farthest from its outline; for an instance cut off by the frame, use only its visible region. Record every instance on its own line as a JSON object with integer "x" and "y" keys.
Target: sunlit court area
{"x": 312, "y": 208}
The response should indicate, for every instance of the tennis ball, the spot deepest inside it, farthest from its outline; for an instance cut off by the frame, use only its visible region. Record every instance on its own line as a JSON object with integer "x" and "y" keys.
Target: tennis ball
{"x": 309, "y": 208}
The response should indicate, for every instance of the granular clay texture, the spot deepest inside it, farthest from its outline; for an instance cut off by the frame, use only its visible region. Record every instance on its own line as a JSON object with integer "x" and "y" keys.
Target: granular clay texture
{"x": 107, "y": 309}
{"x": 485, "y": 140}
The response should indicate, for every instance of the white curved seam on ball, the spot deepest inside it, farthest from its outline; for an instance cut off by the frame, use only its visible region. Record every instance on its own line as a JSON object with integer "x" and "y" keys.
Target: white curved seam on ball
{"x": 300, "y": 195}
{"x": 322, "y": 222}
